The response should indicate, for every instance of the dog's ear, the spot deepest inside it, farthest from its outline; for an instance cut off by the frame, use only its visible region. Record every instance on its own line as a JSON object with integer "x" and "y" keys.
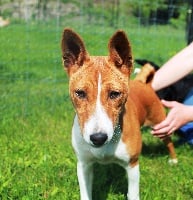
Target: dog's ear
{"x": 74, "y": 53}
{"x": 120, "y": 52}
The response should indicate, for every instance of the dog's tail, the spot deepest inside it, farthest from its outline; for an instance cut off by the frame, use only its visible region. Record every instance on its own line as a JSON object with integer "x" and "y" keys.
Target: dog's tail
{"x": 144, "y": 61}
{"x": 146, "y": 74}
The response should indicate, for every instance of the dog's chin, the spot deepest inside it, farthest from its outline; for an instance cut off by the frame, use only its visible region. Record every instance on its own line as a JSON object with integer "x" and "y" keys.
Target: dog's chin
{"x": 98, "y": 146}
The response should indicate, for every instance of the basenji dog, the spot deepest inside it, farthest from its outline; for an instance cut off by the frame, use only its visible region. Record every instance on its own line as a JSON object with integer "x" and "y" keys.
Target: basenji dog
{"x": 110, "y": 108}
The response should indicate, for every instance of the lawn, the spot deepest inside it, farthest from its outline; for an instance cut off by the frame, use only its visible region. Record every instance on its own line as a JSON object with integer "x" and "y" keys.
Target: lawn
{"x": 37, "y": 160}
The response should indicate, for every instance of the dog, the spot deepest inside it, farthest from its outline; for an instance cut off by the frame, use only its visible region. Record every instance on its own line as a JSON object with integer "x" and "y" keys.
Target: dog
{"x": 110, "y": 108}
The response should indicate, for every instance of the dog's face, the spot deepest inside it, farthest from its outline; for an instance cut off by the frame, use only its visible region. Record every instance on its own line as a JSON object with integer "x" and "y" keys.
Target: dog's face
{"x": 98, "y": 85}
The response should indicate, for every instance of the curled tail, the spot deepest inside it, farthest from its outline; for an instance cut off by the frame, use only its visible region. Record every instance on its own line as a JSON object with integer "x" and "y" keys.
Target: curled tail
{"x": 146, "y": 74}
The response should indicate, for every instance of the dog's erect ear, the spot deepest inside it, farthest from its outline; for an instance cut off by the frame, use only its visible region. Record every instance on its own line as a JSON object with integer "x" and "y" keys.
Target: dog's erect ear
{"x": 120, "y": 52}
{"x": 73, "y": 51}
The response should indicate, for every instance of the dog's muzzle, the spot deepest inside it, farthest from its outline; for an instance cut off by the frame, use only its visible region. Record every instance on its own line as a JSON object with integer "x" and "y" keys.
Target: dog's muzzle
{"x": 98, "y": 139}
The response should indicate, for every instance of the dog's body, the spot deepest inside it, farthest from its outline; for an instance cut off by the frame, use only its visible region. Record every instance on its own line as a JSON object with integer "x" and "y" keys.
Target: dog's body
{"x": 109, "y": 109}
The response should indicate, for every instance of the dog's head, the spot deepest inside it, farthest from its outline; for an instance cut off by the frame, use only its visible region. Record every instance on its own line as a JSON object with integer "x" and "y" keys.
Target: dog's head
{"x": 98, "y": 84}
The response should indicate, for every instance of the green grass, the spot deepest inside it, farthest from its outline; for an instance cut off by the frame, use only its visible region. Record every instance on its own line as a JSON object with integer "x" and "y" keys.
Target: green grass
{"x": 36, "y": 157}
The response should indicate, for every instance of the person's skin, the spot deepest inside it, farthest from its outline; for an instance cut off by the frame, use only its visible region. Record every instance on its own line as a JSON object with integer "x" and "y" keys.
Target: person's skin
{"x": 178, "y": 116}
{"x": 176, "y": 68}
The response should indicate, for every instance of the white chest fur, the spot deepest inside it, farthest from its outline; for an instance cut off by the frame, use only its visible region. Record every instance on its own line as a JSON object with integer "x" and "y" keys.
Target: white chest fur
{"x": 112, "y": 152}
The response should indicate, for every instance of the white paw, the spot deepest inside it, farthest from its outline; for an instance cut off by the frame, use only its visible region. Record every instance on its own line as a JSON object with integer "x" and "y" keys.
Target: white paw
{"x": 173, "y": 161}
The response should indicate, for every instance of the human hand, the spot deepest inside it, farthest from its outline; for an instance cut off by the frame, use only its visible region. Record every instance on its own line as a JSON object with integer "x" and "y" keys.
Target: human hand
{"x": 178, "y": 115}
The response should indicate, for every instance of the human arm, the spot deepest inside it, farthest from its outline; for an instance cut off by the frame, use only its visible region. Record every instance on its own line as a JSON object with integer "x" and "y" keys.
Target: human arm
{"x": 179, "y": 115}
{"x": 173, "y": 70}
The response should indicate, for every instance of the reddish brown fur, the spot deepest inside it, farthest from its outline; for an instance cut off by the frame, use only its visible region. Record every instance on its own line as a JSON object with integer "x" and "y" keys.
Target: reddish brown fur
{"x": 111, "y": 77}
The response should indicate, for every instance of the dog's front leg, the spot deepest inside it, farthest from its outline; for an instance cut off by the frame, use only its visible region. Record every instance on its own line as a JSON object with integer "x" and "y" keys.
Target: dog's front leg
{"x": 133, "y": 182}
{"x": 85, "y": 179}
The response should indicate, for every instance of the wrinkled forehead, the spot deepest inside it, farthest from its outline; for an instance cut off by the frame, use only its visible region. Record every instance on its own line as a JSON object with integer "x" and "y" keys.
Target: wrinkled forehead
{"x": 88, "y": 75}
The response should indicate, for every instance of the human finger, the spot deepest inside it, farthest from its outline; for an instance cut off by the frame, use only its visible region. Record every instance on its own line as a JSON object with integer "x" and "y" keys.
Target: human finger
{"x": 168, "y": 104}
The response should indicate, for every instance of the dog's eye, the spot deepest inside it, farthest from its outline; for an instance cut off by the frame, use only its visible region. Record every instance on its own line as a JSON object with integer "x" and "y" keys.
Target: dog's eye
{"x": 80, "y": 94}
{"x": 114, "y": 94}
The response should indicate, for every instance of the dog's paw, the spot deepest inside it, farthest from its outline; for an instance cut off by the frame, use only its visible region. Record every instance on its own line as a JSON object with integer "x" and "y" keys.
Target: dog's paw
{"x": 173, "y": 161}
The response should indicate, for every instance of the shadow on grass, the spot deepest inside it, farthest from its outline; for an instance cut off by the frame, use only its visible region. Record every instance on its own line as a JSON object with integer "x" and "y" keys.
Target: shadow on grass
{"x": 153, "y": 147}
{"x": 109, "y": 179}
{"x": 154, "y": 150}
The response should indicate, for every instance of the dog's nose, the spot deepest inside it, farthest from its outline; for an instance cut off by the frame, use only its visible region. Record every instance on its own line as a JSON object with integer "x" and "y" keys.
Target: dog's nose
{"x": 98, "y": 139}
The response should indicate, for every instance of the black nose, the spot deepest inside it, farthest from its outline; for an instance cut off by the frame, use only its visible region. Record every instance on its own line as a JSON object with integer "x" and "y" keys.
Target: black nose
{"x": 98, "y": 139}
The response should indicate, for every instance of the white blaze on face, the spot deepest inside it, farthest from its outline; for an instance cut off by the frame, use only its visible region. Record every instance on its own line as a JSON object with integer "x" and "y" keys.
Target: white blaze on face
{"x": 99, "y": 122}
